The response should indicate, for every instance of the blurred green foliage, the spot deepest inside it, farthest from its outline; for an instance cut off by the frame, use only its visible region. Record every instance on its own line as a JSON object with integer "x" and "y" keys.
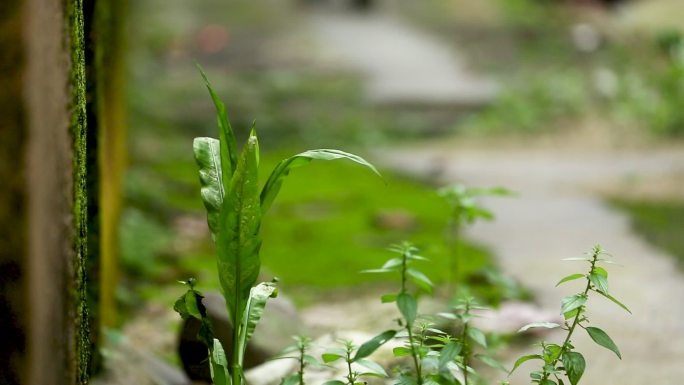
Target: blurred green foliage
{"x": 660, "y": 223}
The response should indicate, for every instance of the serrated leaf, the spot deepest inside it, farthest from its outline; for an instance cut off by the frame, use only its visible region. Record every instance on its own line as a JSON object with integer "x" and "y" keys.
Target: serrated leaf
{"x": 546, "y": 325}
{"x": 420, "y": 279}
{"x": 572, "y": 302}
{"x": 489, "y": 361}
{"x": 524, "y": 359}
{"x": 238, "y": 240}
{"x": 208, "y": 158}
{"x": 574, "y": 365}
{"x": 601, "y": 338}
{"x": 610, "y": 297}
{"x": 408, "y": 307}
{"x": 449, "y": 353}
{"x": 477, "y": 336}
{"x": 191, "y": 299}
{"x": 570, "y": 277}
{"x": 600, "y": 282}
{"x": 373, "y": 344}
{"x": 275, "y": 180}
{"x": 374, "y": 367}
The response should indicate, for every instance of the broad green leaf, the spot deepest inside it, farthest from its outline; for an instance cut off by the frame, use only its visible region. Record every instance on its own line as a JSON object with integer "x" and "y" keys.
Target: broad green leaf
{"x": 489, "y": 361}
{"x": 547, "y": 382}
{"x": 420, "y": 279}
{"x": 477, "y": 336}
{"x": 600, "y": 271}
{"x": 570, "y": 278}
{"x": 572, "y": 302}
{"x": 408, "y": 307}
{"x": 208, "y": 158}
{"x": 547, "y": 325}
{"x": 275, "y": 180}
{"x": 292, "y": 379}
{"x": 254, "y": 309}
{"x": 373, "y": 344}
{"x": 574, "y": 365}
{"x": 524, "y": 359}
{"x": 601, "y": 338}
{"x": 218, "y": 364}
{"x": 375, "y": 368}
{"x": 238, "y": 239}
{"x": 600, "y": 282}
{"x": 449, "y": 353}
{"x": 228, "y": 151}
{"x": 610, "y": 297}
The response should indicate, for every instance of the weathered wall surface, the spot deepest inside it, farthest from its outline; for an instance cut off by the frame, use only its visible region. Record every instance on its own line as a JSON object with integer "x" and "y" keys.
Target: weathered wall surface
{"x": 55, "y": 104}
{"x": 12, "y": 195}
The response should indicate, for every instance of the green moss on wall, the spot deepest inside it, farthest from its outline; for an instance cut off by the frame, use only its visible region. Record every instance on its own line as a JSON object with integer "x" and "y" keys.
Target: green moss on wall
{"x": 79, "y": 130}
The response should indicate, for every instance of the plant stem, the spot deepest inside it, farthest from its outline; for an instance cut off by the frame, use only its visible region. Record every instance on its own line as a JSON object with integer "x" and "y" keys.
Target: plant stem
{"x": 466, "y": 352}
{"x": 575, "y": 321}
{"x": 350, "y": 375}
{"x": 302, "y": 351}
{"x": 409, "y": 325}
{"x": 237, "y": 375}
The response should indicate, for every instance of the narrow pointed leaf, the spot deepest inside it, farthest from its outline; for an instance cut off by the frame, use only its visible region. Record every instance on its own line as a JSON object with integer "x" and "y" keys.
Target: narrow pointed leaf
{"x": 601, "y": 338}
{"x": 256, "y": 304}
{"x": 208, "y": 158}
{"x": 420, "y": 279}
{"x": 570, "y": 278}
{"x": 330, "y": 357}
{"x": 574, "y": 366}
{"x": 489, "y": 361}
{"x": 238, "y": 240}
{"x": 547, "y": 325}
{"x": 228, "y": 151}
{"x": 373, "y": 344}
{"x": 408, "y": 307}
{"x": 477, "y": 336}
{"x": 218, "y": 364}
{"x": 449, "y": 353}
{"x": 524, "y": 359}
{"x": 275, "y": 180}
{"x": 375, "y": 368}
{"x": 615, "y": 301}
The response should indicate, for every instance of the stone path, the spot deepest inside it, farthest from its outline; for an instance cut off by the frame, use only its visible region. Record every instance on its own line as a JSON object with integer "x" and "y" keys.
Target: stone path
{"x": 402, "y": 65}
{"x": 556, "y": 216}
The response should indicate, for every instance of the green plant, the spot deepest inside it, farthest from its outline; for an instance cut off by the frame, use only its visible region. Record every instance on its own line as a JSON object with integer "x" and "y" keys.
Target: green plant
{"x": 406, "y": 302}
{"x": 465, "y": 210}
{"x": 562, "y": 360}
{"x": 235, "y": 206}
{"x": 351, "y": 356}
{"x": 301, "y": 347}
